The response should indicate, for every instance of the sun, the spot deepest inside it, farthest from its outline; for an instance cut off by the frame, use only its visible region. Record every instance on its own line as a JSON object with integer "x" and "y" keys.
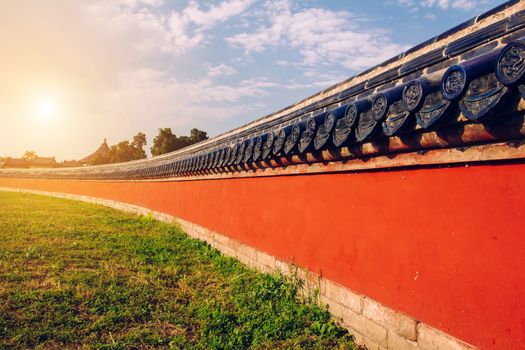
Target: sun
{"x": 46, "y": 110}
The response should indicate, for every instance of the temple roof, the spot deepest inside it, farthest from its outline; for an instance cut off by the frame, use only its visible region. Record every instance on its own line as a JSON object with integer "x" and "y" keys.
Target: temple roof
{"x": 102, "y": 151}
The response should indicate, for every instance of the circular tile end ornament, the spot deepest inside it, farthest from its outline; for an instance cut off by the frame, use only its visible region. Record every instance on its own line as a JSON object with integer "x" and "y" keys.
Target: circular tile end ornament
{"x": 413, "y": 96}
{"x": 510, "y": 66}
{"x": 454, "y": 82}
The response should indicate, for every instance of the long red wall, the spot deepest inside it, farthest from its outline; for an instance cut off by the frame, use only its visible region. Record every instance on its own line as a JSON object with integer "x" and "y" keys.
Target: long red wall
{"x": 446, "y": 246}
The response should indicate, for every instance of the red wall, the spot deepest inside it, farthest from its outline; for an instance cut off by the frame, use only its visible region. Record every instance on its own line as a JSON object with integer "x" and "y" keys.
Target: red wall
{"x": 446, "y": 246}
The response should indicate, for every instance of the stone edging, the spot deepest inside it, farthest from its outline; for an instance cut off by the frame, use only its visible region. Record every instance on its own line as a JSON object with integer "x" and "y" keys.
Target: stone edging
{"x": 372, "y": 323}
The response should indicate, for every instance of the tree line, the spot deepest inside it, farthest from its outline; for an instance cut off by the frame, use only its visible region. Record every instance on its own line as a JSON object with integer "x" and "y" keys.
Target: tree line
{"x": 166, "y": 141}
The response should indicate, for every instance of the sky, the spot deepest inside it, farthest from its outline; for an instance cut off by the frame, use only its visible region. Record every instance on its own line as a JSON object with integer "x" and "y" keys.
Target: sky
{"x": 75, "y": 72}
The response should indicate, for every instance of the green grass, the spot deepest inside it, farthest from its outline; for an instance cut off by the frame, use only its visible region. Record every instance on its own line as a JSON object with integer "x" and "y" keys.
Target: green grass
{"x": 76, "y": 275}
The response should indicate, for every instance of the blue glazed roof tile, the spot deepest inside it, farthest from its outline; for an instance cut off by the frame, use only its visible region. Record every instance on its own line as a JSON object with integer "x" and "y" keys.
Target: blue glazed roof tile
{"x": 354, "y": 90}
{"x": 474, "y": 39}
{"x": 497, "y": 9}
{"x": 420, "y": 46}
{"x": 427, "y": 59}
{"x": 517, "y": 20}
{"x": 456, "y": 29}
{"x": 383, "y": 77}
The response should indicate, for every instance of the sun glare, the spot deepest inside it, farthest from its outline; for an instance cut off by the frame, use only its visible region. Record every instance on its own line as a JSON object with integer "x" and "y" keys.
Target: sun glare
{"x": 46, "y": 110}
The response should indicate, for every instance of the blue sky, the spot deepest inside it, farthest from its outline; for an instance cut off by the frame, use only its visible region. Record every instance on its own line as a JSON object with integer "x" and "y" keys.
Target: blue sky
{"x": 112, "y": 69}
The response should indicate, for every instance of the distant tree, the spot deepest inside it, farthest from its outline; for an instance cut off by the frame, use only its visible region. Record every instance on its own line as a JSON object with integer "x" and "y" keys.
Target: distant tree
{"x": 123, "y": 151}
{"x": 166, "y": 141}
{"x": 30, "y": 155}
{"x": 184, "y": 141}
{"x": 138, "y": 143}
{"x": 99, "y": 159}
{"x": 197, "y": 135}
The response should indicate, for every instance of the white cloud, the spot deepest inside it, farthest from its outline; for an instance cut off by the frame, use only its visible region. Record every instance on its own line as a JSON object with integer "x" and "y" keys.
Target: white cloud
{"x": 324, "y": 78}
{"x": 137, "y": 3}
{"x": 282, "y": 62}
{"x": 188, "y": 27}
{"x": 455, "y": 4}
{"x": 430, "y": 16}
{"x": 214, "y": 14}
{"x": 220, "y": 69}
{"x": 464, "y": 5}
{"x": 181, "y": 104}
{"x": 173, "y": 32}
{"x": 322, "y": 37}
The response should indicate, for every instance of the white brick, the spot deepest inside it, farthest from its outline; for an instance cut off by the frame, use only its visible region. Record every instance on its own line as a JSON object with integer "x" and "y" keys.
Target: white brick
{"x": 215, "y": 244}
{"x": 227, "y": 251}
{"x": 266, "y": 260}
{"x": 249, "y": 252}
{"x": 358, "y": 338}
{"x": 432, "y": 339}
{"x": 224, "y": 240}
{"x": 282, "y": 267}
{"x": 366, "y": 327}
{"x": 264, "y": 268}
{"x": 243, "y": 258}
{"x": 394, "y": 321}
{"x": 298, "y": 272}
{"x": 362, "y": 340}
{"x": 207, "y": 235}
{"x": 397, "y": 342}
{"x": 344, "y": 296}
{"x": 372, "y": 345}
{"x": 336, "y": 309}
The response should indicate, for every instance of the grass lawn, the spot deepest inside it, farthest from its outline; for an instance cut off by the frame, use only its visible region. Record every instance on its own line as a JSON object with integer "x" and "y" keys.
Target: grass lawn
{"x": 77, "y": 275}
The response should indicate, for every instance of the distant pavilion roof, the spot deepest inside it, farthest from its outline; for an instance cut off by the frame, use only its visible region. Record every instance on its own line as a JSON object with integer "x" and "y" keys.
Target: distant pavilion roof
{"x": 102, "y": 150}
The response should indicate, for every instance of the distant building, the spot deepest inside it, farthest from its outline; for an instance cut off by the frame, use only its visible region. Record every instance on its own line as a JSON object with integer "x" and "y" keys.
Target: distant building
{"x": 43, "y": 162}
{"x": 102, "y": 153}
{"x": 18, "y": 163}
{"x": 97, "y": 157}
{"x": 70, "y": 164}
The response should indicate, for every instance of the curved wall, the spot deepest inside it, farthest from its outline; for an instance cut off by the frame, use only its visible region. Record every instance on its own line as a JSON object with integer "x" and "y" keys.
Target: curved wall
{"x": 315, "y": 184}
{"x": 444, "y": 246}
